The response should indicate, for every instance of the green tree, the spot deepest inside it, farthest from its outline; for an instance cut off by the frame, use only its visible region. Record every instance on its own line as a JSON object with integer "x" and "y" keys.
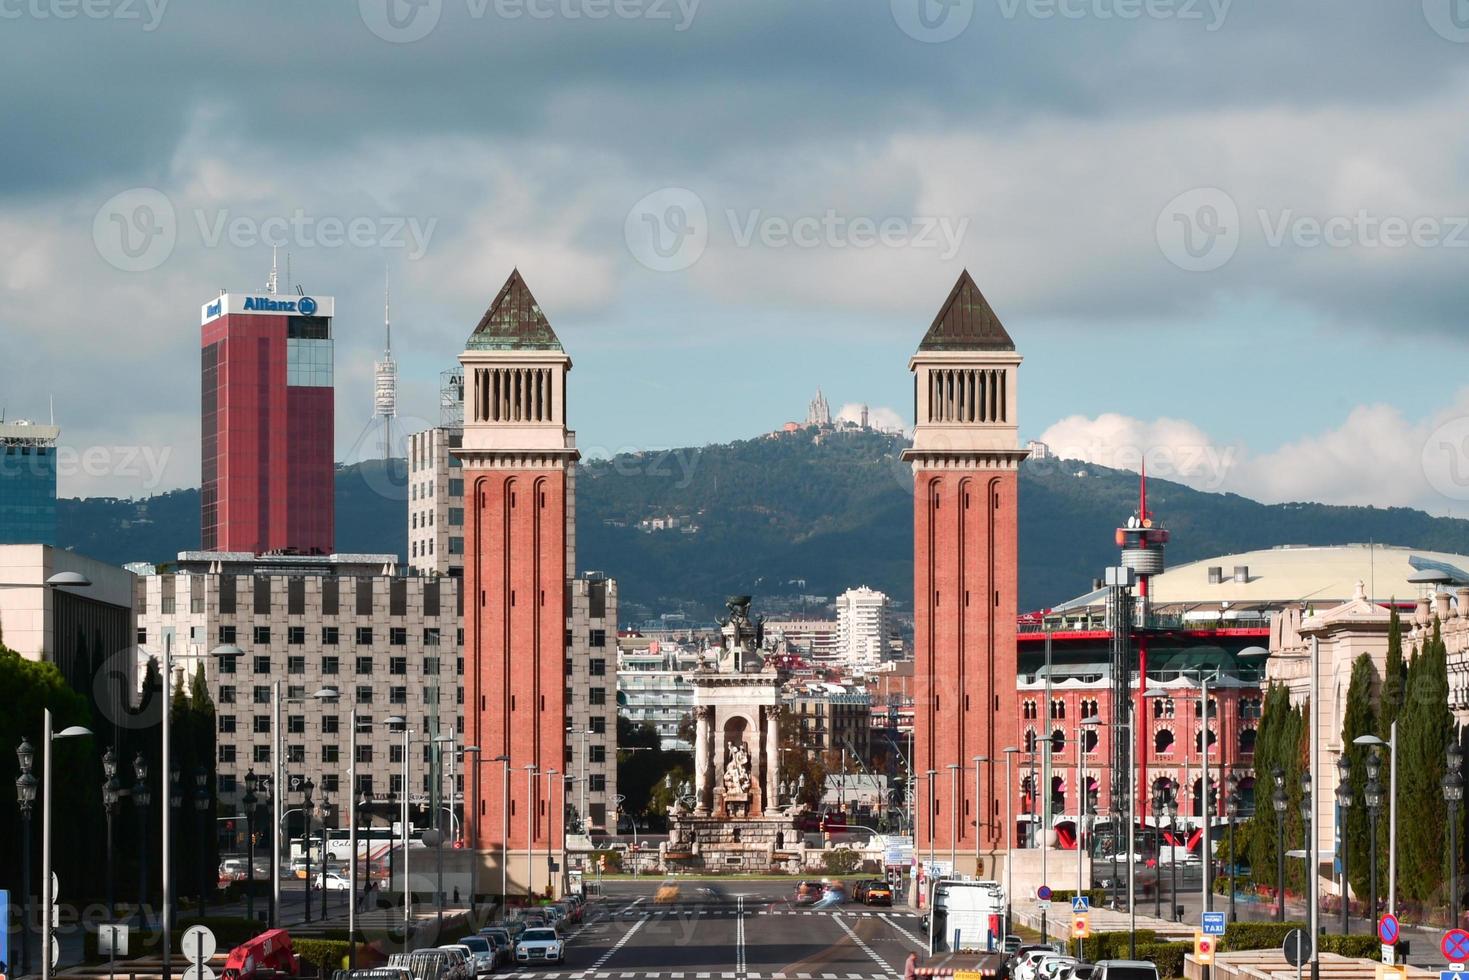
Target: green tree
{"x": 1360, "y": 718}
{"x": 1425, "y": 730}
{"x": 1281, "y": 742}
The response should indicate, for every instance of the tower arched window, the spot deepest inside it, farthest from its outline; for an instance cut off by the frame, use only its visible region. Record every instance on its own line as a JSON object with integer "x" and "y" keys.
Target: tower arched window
{"x": 1163, "y": 741}
{"x": 1058, "y": 709}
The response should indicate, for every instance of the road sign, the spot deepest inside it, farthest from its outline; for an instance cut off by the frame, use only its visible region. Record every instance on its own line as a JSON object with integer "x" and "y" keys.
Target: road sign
{"x": 1450, "y": 975}
{"x": 1297, "y": 948}
{"x": 198, "y": 944}
{"x": 1388, "y": 929}
{"x": 1080, "y": 905}
{"x": 1455, "y": 945}
{"x": 1081, "y": 927}
{"x": 55, "y": 952}
{"x": 1389, "y": 953}
{"x": 1043, "y": 893}
{"x": 112, "y": 940}
{"x": 1203, "y": 949}
{"x": 1213, "y": 923}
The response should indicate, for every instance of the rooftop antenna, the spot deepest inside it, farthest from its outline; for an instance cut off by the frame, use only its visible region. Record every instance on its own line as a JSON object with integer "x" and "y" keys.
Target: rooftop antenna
{"x": 385, "y": 382}
{"x": 53, "y": 409}
{"x": 273, "y": 279}
{"x": 288, "y": 270}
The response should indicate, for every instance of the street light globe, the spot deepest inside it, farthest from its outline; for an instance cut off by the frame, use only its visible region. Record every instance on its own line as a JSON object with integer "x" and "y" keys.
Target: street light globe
{"x": 26, "y": 754}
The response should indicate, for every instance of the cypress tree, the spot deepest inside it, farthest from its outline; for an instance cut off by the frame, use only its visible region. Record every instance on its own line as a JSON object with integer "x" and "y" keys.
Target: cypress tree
{"x": 1360, "y": 718}
{"x": 1424, "y": 730}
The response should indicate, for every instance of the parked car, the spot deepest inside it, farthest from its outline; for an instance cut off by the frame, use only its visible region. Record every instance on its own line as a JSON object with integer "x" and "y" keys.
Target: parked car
{"x": 332, "y": 882}
{"x": 1124, "y": 970}
{"x": 482, "y": 954}
{"x": 1052, "y": 967}
{"x": 501, "y": 940}
{"x": 859, "y": 889}
{"x": 540, "y": 946}
{"x": 1025, "y": 963}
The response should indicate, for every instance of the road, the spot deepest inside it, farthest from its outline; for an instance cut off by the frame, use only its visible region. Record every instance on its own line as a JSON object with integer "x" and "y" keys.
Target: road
{"x": 731, "y": 930}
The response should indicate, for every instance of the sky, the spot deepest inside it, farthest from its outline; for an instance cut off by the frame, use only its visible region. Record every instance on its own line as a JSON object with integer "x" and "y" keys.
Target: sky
{"x": 1229, "y": 238}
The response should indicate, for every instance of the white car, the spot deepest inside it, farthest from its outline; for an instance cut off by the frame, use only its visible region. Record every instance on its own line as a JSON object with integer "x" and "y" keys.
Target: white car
{"x": 1025, "y": 967}
{"x": 540, "y": 946}
{"x": 333, "y": 882}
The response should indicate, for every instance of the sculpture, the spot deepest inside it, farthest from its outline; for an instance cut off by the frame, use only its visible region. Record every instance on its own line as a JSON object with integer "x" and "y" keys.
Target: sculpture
{"x": 737, "y": 772}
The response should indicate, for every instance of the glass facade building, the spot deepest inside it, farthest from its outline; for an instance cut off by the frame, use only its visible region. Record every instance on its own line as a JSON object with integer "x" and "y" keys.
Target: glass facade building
{"x": 27, "y": 483}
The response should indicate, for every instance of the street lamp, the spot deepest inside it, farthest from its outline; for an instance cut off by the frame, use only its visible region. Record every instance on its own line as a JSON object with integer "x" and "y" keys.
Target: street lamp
{"x": 981, "y": 817}
{"x": 1171, "y": 812}
{"x": 201, "y": 806}
{"x": 1453, "y": 794}
{"x": 1344, "y": 804}
{"x": 1232, "y": 809}
{"x": 47, "y": 897}
{"x": 1372, "y": 795}
{"x": 1158, "y": 804}
{"x": 1391, "y": 744}
{"x": 141, "y": 798}
{"x": 1009, "y": 834}
{"x": 25, "y": 795}
{"x": 307, "y": 788}
{"x": 401, "y": 723}
{"x": 1279, "y": 801}
{"x": 175, "y": 802}
{"x": 250, "y": 800}
{"x": 111, "y": 792}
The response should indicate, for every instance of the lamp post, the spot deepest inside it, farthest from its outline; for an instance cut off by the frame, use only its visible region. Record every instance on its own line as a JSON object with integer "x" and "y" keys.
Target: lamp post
{"x": 530, "y": 833}
{"x": 1344, "y": 805}
{"x": 201, "y": 806}
{"x": 1278, "y": 800}
{"x": 1306, "y": 827}
{"x": 401, "y": 722}
{"x": 323, "y": 812}
{"x": 25, "y": 795}
{"x": 47, "y": 898}
{"x": 1373, "y": 797}
{"x": 504, "y": 760}
{"x": 141, "y": 798}
{"x": 1453, "y": 794}
{"x": 307, "y": 788}
{"x": 438, "y": 742}
{"x": 111, "y": 790}
{"x": 175, "y": 801}
{"x": 1171, "y": 812}
{"x": 1391, "y": 744}
{"x": 1009, "y": 834}
{"x": 980, "y": 819}
{"x": 953, "y": 768}
{"x": 1232, "y": 808}
{"x": 250, "y": 801}
{"x": 1158, "y": 803}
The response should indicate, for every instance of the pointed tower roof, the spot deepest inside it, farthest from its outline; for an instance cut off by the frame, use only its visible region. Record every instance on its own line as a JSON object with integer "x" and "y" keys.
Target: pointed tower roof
{"x": 514, "y": 321}
{"x": 966, "y": 321}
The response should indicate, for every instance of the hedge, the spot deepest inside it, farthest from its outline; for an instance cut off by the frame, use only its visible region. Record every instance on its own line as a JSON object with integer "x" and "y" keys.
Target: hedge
{"x": 1097, "y": 896}
{"x": 1167, "y": 957}
{"x": 1270, "y": 935}
{"x": 324, "y": 954}
{"x": 1112, "y": 945}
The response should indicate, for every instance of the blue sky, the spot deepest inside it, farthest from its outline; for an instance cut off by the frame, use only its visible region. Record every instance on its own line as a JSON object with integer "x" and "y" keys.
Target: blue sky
{"x": 1229, "y": 237}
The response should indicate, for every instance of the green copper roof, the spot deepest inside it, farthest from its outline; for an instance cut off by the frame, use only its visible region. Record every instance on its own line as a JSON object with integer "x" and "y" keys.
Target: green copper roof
{"x": 966, "y": 322}
{"x": 514, "y": 321}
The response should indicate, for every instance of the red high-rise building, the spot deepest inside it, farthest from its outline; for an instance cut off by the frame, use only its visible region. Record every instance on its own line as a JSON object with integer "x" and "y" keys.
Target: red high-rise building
{"x": 267, "y": 423}
{"x": 519, "y": 464}
{"x": 966, "y": 460}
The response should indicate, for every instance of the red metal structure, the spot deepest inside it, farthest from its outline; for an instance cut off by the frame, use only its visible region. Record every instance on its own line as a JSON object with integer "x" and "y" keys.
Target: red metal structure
{"x": 267, "y": 955}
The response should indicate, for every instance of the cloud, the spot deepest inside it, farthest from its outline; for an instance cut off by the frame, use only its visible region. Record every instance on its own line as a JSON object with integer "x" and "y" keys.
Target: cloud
{"x": 1375, "y": 457}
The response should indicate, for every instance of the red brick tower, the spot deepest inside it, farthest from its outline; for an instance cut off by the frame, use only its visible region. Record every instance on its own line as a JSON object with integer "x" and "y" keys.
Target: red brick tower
{"x": 519, "y": 460}
{"x": 965, "y": 460}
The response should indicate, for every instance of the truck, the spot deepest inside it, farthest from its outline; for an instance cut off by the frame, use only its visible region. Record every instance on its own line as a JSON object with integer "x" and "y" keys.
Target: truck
{"x": 966, "y": 928}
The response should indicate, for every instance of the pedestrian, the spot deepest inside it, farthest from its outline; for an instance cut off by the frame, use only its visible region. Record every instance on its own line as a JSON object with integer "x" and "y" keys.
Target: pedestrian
{"x": 910, "y": 967}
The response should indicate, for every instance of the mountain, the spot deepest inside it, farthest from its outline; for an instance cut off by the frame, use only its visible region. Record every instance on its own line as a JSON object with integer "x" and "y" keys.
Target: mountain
{"x": 798, "y": 515}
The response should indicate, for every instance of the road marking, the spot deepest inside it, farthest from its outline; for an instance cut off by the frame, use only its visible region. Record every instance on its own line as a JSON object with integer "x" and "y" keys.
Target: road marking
{"x": 614, "y": 948}
{"x": 852, "y": 934}
{"x": 913, "y": 938}
{"x": 739, "y": 936}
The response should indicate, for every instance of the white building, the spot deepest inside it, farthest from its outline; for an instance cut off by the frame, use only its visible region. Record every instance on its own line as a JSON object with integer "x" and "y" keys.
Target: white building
{"x": 816, "y": 640}
{"x": 864, "y": 628}
{"x": 653, "y": 686}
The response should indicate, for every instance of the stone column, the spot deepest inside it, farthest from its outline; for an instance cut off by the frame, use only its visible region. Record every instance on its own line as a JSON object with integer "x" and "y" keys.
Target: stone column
{"x": 772, "y": 756}
{"x": 702, "y": 782}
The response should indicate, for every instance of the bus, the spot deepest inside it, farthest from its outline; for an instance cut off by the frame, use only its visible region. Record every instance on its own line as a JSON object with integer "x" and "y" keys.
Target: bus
{"x": 373, "y": 844}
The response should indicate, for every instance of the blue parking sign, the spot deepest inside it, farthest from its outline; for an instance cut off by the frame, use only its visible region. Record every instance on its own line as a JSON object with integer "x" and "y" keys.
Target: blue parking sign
{"x": 1213, "y": 923}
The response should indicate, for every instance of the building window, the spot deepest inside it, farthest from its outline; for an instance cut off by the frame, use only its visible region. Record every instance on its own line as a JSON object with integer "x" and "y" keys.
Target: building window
{"x": 1029, "y": 710}
{"x": 328, "y": 783}
{"x": 330, "y": 753}
{"x": 226, "y": 784}
{"x": 430, "y": 695}
{"x": 364, "y": 753}
{"x": 395, "y": 754}
{"x": 226, "y": 694}
{"x": 1246, "y": 741}
{"x": 397, "y": 665}
{"x": 1058, "y": 709}
{"x": 597, "y": 782}
{"x": 330, "y": 636}
{"x": 262, "y": 665}
{"x": 597, "y": 696}
{"x": 262, "y": 753}
{"x": 456, "y": 516}
{"x": 364, "y": 694}
{"x": 227, "y": 665}
{"x": 364, "y": 665}
{"x": 260, "y": 694}
{"x": 398, "y": 695}
{"x": 431, "y": 666}
{"x": 296, "y": 724}
{"x": 262, "y": 724}
{"x": 431, "y": 637}
{"x": 597, "y": 638}
{"x": 330, "y": 725}
{"x": 296, "y": 754}
{"x": 330, "y": 665}
{"x": 364, "y": 636}
{"x": 227, "y": 753}
{"x": 597, "y": 667}
{"x": 296, "y": 635}
{"x": 398, "y": 636}
{"x": 227, "y": 724}
{"x": 1163, "y": 742}
{"x": 598, "y": 726}
{"x": 226, "y": 634}
{"x": 142, "y": 636}
{"x": 295, "y": 665}
{"x": 262, "y": 635}
{"x": 596, "y": 754}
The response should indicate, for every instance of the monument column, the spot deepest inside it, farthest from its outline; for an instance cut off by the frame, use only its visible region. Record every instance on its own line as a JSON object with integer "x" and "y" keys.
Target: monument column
{"x": 702, "y": 782}
{"x": 772, "y": 756}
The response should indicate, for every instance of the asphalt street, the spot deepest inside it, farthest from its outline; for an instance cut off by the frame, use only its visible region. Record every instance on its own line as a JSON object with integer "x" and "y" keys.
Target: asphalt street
{"x": 732, "y": 930}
